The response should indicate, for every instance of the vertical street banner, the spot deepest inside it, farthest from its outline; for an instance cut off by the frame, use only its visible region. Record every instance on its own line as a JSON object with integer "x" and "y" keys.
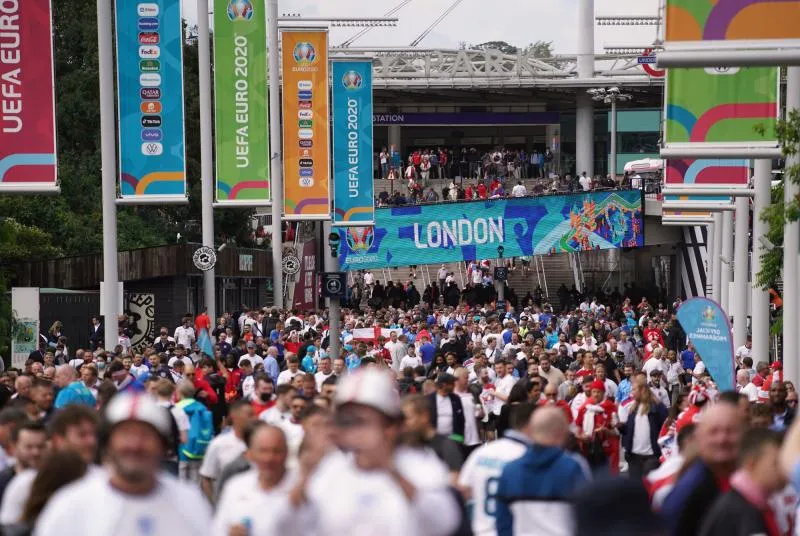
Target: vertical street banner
{"x": 241, "y": 107}
{"x": 708, "y": 173}
{"x": 306, "y": 116}
{"x": 722, "y": 107}
{"x": 351, "y": 94}
{"x": 708, "y": 328}
{"x": 27, "y": 97}
{"x": 707, "y": 23}
{"x": 152, "y": 157}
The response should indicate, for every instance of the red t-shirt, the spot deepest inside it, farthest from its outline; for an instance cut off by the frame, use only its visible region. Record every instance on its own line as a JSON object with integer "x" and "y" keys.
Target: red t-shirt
{"x": 260, "y": 407}
{"x": 202, "y": 322}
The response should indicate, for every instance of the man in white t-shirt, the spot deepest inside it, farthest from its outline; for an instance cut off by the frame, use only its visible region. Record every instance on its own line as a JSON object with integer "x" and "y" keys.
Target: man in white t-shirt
{"x": 472, "y": 411}
{"x": 184, "y": 334}
{"x": 247, "y": 497}
{"x": 226, "y": 447}
{"x": 519, "y": 190}
{"x": 745, "y": 350}
{"x": 410, "y": 360}
{"x": 325, "y": 371}
{"x": 293, "y": 370}
{"x": 251, "y": 354}
{"x": 397, "y": 350}
{"x": 381, "y": 487}
{"x": 503, "y": 384}
{"x": 478, "y": 477}
{"x": 134, "y": 494}
{"x": 585, "y": 182}
{"x": 281, "y": 411}
{"x": 656, "y": 361}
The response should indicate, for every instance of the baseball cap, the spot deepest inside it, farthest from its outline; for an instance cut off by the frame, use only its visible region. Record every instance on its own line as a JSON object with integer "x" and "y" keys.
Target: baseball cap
{"x": 138, "y": 407}
{"x": 251, "y": 345}
{"x": 372, "y": 388}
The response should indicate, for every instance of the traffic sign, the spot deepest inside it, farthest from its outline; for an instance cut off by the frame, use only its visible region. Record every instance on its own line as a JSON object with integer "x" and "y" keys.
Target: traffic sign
{"x": 334, "y": 284}
{"x": 501, "y": 273}
{"x": 649, "y": 65}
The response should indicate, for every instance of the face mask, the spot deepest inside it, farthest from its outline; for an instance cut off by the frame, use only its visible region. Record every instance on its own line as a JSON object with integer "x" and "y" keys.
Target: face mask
{"x": 265, "y": 397}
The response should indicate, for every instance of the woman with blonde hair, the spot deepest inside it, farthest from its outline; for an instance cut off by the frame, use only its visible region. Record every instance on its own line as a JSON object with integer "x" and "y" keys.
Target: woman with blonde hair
{"x": 640, "y": 427}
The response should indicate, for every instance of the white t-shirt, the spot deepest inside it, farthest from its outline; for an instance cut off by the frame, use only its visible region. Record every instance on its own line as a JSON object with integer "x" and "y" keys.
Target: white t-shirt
{"x": 751, "y": 391}
{"x": 294, "y": 437}
{"x": 444, "y": 415}
{"x": 274, "y": 415}
{"x": 519, "y": 190}
{"x": 503, "y": 387}
{"x": 320, "y": 377}
{"x": 653, "y": 364}
{"x": 471, "y": 435}
{"x": 483, "y": 465}
{"x": 15, "y": 496}
{"x": 185, "y": 336}
{"x": 222, "y": 450}
{"x": 641, "y": 435}
{"x": 243, "y": 499}
{"x": 287, "y": 376}
{"x": 172, "y": 508}
{"x": 255, "y": 359}
{"x": 174, "y": 359}
{"x": 743, "y": 351}
{"x": 370, "y": 503}
{"x": 409, "y": 361}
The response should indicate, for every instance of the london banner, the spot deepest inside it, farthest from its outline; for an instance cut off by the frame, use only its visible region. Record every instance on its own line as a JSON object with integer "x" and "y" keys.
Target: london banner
{"x": 707, "y": 327}
{"x": 471, "y": 230}
{"x": 27, "y": 99}
{"x": 242, "y": 115}
{"x": 353, "y": 202}
{"x": 306, "y": 117}
{"x": 150, "y": 84}
{"x": 731, "y": 107}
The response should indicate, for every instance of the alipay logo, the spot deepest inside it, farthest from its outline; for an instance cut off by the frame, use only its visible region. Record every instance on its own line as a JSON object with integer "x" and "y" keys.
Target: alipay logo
{"x": 147, "y": 10}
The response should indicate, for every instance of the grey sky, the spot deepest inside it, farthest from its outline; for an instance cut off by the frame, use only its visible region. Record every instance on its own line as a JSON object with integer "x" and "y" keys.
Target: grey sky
{"x": 518, "y": 22}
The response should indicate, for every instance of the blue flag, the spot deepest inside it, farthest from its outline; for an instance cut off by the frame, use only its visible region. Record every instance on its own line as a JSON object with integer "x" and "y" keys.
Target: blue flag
{"x": 708, "y": 328}
{"x": 204, "y": 342}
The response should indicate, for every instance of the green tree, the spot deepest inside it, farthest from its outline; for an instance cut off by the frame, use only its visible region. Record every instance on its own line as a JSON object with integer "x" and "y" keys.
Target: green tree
{"x": 779, "y": 213}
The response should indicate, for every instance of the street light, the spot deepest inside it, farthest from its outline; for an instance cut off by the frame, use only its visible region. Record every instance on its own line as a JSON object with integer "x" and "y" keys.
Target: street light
{"x": 611, "y": 96}
{"x": 333, "y": 242}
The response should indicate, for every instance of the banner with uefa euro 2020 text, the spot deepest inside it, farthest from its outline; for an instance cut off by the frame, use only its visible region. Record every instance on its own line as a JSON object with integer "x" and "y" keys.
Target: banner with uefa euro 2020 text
{"x": 708, "y": 23}
{"x": 240, "y": 92}
{"x": 27, "y": 99}
{"x": 351, "y": 95}
{"x": 732, "y": 107}
{"x": 708, "y": 328}
{"x": 306, "y": 117}
{"x": 152, "y": 156}
{"x": 452, "y": 232}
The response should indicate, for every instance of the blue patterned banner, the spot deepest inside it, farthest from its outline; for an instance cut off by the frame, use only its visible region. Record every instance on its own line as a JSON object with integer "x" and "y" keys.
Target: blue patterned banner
{"x": 150, "y": 86}
{"x": 707, "y": 326}
{"x": 353, "y": 202}
{"x": 451, "y": 232}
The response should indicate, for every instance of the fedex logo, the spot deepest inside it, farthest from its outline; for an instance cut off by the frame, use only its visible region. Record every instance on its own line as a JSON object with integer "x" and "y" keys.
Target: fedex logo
{"x": 148, "y": 51}
{"x": 305, "y": 114}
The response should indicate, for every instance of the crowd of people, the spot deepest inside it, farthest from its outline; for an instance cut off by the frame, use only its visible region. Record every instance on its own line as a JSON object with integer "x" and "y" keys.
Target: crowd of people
{"x": 433, "y": 419}
{"x": 492, "y": 175}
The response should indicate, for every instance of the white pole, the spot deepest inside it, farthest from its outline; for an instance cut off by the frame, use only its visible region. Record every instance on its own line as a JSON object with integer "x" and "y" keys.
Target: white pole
{"x": 791, "y": 250}
{"x": 740, "y": 270}
{"x": 716, "y": 253}
{"x": 206, "y": 153}
{"x": 726, "y": 261}
{"x": 331, "y": 264}
{"x": 612, "y": 164}
{"x": 759, "y": 302}
{"x": 105, "y": 44}
{"x": 584, "y": 112}
{"x": 710, "y": 262}
{"x": 276, "y": 146}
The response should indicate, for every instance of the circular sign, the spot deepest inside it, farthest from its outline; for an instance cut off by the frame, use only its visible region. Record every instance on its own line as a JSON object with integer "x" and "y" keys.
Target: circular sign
{"x": 649, "y": 69}
{"x": 204, "y": 258}
{"x": 333, "y": 286}
{"x": 291, "y": 265}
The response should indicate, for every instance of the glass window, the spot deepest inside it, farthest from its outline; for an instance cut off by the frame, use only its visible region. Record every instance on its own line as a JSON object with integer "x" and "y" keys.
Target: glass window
{"x": 638, "y": 142}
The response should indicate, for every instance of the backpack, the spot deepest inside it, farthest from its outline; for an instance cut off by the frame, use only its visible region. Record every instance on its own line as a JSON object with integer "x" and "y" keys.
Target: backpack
{"x": 201, "y": 430}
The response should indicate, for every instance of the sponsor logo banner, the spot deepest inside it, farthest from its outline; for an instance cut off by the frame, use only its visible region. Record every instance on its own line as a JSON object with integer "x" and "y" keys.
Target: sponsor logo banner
{"x": 242, "y": 114}
{"x": 353, "y": 192}
{"x": 471, "y": 230}
{"x": 150, "y": 85}
{"x": 707, "y": 22}
{"x": 707, "y": 326}
{"x": 27, "y": 102}
{"x": 304, "y": 60}
{"x": 721, "y": 106}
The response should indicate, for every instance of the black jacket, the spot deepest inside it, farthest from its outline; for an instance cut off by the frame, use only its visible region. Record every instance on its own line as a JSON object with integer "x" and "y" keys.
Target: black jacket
{"x": 458, "y": 413}
{"x": 657, "y": 415}
{"x": 733, "y": 515}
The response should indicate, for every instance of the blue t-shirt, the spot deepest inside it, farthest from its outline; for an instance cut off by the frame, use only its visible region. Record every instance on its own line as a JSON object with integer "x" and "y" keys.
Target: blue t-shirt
{"x": 75, "y": 393}
{"x": 687, "y": 359}
{"x": 427, "y": 352}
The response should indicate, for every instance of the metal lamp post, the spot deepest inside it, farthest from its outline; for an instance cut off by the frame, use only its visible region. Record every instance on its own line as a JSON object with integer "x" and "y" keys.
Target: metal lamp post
{"x": 611, "y": 96}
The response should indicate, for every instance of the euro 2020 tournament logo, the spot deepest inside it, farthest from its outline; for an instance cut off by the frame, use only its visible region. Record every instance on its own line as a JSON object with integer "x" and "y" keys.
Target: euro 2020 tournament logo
{"x": 240, "y": 10}
{"x": 708, "y": 314}
{"x": 304, "y": 53}
{"x": 352, "y": 80}
{"x": 360, "y": 239}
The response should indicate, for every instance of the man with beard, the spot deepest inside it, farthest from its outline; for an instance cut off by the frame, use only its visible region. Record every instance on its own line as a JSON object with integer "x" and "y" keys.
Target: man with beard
{"x": 136, "y": 497}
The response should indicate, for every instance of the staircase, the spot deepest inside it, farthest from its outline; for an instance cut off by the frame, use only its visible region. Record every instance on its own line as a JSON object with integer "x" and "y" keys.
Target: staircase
{"x": 553, "y": 271}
